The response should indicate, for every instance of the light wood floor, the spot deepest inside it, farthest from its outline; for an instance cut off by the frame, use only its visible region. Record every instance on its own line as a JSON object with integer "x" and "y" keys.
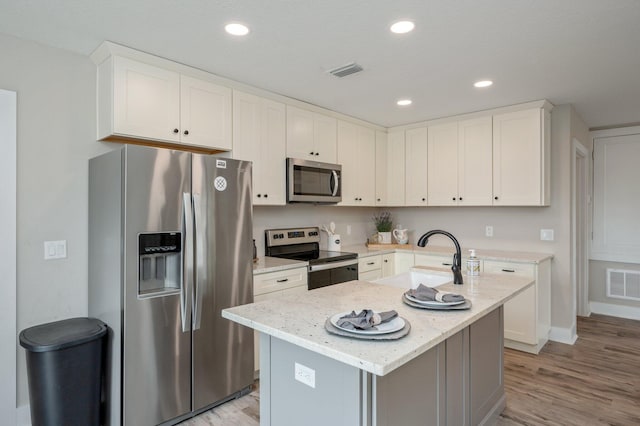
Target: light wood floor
{"x": 594, "y": 382}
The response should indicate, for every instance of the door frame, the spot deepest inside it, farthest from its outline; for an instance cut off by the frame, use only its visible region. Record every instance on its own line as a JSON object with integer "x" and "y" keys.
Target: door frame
{"x": 8, "y": 301}
{"x": 580, "y": 202}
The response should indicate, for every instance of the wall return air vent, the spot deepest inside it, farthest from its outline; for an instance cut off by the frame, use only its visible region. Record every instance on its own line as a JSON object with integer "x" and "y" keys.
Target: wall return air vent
{"x": 623, "y": 284}
{"x": 345, "y": 70}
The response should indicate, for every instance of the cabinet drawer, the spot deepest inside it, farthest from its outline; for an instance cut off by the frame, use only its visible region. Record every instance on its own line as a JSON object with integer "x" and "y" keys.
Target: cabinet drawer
{"x": 518, "y": 269}
{"x": 438, "y": 261}
{"x": 369, "y": 263}
{"x": 370, "y": 275}
{"x": 280, "y": 280}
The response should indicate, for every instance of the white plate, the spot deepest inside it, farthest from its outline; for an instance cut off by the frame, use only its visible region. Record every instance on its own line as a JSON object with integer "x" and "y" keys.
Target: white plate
{"x": 432, "y": 302}
{"x": 392, "y": 326}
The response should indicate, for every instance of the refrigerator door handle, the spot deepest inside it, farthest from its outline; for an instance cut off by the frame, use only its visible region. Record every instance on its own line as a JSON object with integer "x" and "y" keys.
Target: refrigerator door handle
{"x": 201, "y": 271}
{"x": 187, "y": 262}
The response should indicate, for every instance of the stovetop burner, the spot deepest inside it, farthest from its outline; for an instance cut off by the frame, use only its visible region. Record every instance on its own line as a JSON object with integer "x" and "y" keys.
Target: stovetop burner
{"x": 301, "y": 244}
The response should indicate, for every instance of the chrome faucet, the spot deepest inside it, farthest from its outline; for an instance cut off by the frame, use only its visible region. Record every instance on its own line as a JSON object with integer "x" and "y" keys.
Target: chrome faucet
{"x": 457, "y": 262}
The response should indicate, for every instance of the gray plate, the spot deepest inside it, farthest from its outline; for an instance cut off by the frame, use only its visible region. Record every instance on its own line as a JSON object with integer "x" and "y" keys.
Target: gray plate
{"x": 389, "y": 336}
{"x": 465, "y": 305}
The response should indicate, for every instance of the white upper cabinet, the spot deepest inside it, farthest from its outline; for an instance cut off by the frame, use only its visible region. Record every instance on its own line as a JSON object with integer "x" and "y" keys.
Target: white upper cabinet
{"x": 521, "y": 158}
{"x": 311, "y": 136}
{"x": 460, "y": 156}
{"x": 442, "y": 164}
{"x": 390, "y": 164}
{"x": 205, "y": 114}
{"x": 138, "y": 101}
{"x": 357, "y": 155}
{"x": 416, "y": 154}
{"x": 259, "y": 136}
{"x": 475, "y": 162}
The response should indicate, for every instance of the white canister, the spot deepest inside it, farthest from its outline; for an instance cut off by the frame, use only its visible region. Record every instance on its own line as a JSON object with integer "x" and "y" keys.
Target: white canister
{"x": 334, "y": 242}
{"x": 384, "y": 237}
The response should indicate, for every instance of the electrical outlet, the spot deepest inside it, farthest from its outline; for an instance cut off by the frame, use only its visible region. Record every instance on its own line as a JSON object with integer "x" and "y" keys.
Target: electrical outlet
{"x": 488, "y": 231}
{"x": 305, "y": 375}
{"x": 546, "y": 234}
{"x": 55, "y": 249}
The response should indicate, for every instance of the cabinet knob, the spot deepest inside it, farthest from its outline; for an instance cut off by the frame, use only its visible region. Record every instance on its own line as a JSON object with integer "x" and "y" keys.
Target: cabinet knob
{"x": 317, "y": 153}
{"x": 454, "y": 198}
{"x": 460, "y": 198}
{"x": 378, "y": 199}
{"x": 386, "y": 261}
{"x": 259, "y": 195}
{"x": 311, "y": 153}
{"x": 266, "y": 195}
{"x": 424, "y": 199}
{"x": 186, "y": 132}
{"x": 495, "y": 198}
{"x": 175, "y": 130}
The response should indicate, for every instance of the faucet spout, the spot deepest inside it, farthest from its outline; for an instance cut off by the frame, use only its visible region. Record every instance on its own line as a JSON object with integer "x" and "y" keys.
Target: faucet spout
{"x": 457, "y": 257}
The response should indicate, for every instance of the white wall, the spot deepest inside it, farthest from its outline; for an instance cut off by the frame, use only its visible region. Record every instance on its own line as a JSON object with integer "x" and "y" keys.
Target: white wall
{"x": 8, "y": 257}
{"x": 56, "y": 136}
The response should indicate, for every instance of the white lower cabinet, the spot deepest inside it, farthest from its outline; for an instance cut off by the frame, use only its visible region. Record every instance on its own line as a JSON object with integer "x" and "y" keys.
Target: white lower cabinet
{"x": 403, "y": 262}
{"x": 434, "y": 260}
{"x": 370, "y": 268}
{"x": 388, "y": 264}
{"x": 273, "y": 285}
{"x": 527, "y": 317}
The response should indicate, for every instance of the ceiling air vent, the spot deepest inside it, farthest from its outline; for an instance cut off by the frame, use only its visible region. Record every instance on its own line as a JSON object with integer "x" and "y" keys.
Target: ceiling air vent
{"x": 346, "y": 70}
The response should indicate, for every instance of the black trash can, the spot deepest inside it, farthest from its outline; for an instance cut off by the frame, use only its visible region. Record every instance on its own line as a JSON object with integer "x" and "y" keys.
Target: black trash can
{"x": 65, "y": 370}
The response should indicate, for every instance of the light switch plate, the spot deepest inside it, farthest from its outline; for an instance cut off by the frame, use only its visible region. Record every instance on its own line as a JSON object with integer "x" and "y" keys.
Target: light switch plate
{"x": 305, "y": 375}
{"x": 55, "y": 249}
{"x": 546, "y": 234}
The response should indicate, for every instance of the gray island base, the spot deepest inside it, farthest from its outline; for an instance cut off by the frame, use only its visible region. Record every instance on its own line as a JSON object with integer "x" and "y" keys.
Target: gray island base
{"x": 447, "y": 371}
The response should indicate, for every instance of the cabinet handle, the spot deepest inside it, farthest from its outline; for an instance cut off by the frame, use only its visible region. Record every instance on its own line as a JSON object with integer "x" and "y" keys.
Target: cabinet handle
{"x": 175, "y": 130}
{"x": 186, "y": 132}
{"x": 284, "y": 280}
{"x": 447, "y": 264}
{"x": 371, "y": 263}
{"x": 508, "y": 270}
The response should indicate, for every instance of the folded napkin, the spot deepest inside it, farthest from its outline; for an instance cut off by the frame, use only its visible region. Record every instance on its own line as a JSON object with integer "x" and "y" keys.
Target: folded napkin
{"x": 365, "y": 319}
{"x": 428, "y": 294}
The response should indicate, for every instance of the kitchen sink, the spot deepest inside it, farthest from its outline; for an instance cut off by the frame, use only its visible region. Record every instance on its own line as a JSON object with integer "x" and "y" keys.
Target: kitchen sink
{"x": 414, "y": 277}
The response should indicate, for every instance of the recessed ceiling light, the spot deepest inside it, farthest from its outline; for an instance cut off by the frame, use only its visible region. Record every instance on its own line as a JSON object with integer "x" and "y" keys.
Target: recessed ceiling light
{"x": 483, "y": 83}
{"x": 236, "y": 29}
{"x": 402, "y": 27}
{"x": 404, "y": 102}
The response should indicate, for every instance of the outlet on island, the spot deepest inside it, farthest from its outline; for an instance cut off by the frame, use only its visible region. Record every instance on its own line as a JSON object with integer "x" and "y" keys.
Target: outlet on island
{"x": 305, "y": 375}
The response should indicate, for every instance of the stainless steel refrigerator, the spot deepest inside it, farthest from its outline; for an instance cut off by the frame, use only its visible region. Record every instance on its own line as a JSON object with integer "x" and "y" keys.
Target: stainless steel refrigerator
{"x": 170, "y": 246}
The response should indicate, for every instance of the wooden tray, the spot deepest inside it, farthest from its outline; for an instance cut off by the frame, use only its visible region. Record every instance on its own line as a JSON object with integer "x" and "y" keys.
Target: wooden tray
{"x": 389, "y": 246}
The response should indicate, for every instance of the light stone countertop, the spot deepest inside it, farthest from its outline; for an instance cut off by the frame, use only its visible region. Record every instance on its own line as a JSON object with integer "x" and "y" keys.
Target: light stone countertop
{"x": 497, "y": 255}
{"x": 267, "y": 264}
{"x": 299, "y": 319}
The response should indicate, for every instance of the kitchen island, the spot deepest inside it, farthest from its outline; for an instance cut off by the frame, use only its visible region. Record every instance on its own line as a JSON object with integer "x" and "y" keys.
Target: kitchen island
{"x": 446, "y": 371}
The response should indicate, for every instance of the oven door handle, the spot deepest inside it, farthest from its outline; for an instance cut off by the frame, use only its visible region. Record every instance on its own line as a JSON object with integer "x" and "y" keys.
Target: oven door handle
{"x": 332, "y": 265}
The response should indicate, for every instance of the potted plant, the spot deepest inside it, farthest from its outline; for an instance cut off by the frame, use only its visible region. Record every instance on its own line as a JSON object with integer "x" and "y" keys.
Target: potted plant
{"x": 384, "y": 224}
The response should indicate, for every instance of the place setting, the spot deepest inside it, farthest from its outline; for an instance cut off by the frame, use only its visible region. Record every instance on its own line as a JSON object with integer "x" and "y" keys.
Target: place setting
{"x": 368, "y": 324}
{"x": 424, "y": 297}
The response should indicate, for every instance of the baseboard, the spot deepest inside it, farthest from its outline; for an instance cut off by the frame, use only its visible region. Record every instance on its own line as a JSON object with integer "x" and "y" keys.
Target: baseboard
{"x": 23, "y": 416}
{"x": 563, "y": 335}
{"x": 620, "y": 311}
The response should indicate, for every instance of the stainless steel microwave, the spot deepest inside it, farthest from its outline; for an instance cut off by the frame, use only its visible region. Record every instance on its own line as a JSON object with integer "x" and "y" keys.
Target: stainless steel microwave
{"x": 313, "y": 182}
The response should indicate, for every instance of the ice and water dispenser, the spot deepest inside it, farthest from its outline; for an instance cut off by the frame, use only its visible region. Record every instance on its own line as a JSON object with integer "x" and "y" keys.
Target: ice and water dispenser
{"x": 160, "y": 259}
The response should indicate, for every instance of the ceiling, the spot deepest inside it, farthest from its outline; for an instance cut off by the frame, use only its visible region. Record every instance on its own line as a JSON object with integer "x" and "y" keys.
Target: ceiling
{"x": 583, "y": 52}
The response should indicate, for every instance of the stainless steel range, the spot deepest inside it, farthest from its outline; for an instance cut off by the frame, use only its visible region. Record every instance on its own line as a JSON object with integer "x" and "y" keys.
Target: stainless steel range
{"x": 325, "y": 267}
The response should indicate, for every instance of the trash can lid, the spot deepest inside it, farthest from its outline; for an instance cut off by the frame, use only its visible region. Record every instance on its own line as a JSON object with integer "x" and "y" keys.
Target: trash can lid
{"x": 62, "y": 334}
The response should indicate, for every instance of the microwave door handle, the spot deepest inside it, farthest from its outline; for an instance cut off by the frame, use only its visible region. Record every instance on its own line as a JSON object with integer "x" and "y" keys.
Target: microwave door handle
{"x": 336, "y": 183}
{"x": 187, "y": 262}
